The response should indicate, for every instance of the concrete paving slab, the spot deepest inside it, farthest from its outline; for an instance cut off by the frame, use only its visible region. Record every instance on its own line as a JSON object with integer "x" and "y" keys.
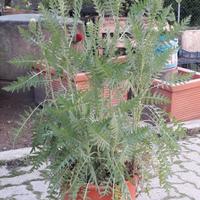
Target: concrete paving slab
{"x": 193, "y": 124}
{"x": 14, "y": 154}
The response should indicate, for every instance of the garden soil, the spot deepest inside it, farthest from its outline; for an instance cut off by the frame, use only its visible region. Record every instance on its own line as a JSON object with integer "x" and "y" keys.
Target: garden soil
{"x": 12, "y": 105}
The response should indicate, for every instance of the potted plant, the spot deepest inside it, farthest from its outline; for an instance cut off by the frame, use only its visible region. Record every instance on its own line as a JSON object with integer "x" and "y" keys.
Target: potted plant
{"x": 97, "y": 150}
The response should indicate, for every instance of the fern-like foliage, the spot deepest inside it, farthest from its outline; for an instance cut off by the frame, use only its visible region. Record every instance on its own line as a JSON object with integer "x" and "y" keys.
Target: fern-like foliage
{"x": 24, "y": 62}
{"x": 85, "y": 137}
{"x": 24, "y": 83}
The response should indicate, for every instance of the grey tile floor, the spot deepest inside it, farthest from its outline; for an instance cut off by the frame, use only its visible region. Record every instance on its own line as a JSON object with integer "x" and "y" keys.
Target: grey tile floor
{"x": 21, "y": 184}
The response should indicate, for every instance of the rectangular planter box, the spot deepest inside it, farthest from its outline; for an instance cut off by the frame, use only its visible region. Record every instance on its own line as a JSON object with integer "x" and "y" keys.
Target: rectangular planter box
{"x": 59, "y": 84}
{"x": 184, "y": 97}
{"x": 82, "y": 81}
{"x": 108, "y": 25}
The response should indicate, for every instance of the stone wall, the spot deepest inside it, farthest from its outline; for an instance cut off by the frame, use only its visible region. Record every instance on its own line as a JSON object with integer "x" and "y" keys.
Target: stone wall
{"x": 13, "y": 45}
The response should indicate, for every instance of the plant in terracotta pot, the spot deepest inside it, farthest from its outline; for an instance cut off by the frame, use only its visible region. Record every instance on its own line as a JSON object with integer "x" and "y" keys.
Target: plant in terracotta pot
{"x": 98, "y": 150}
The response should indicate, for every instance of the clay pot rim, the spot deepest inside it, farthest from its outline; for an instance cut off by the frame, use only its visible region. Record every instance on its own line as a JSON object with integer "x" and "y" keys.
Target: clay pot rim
{"x": 179, "y": 87}
{"x": 82, "y": 76}
{"x": 93, "y": 186}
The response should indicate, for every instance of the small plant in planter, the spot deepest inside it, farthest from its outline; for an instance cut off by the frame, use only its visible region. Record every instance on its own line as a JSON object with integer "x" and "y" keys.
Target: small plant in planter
{"x": 97, "y": 150}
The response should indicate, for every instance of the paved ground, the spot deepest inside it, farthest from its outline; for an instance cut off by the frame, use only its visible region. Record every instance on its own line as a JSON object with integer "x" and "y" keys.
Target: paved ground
{"x": 19, "y": 184}
{"x": 185, "y": 177}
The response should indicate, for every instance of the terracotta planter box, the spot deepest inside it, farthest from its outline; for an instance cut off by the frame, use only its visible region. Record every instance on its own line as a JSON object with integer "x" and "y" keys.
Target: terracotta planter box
{"x": 108, "y": 26}
{"x": 13, "y": 11}
{"x": 93, "y": 194}
{"x": 59, "y": 84}
{"x": 184, "y": 97}
{"x": 82, "y": 82}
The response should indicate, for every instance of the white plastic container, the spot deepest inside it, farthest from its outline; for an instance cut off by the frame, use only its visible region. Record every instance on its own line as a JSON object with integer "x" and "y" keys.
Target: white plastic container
{"x": 173, "y": 60}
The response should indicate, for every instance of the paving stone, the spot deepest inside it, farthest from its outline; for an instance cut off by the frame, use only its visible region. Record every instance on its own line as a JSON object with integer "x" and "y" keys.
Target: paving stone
{"x": 177, "y": 168}
{"x": 26, "y": 169}
{"x": 181, "y": 158}
{"x": 40, "y": 186}
{"x": 175, "y": 179}
{"x": 190, "y": 177}
{"x": 194, "y": 140}
{"x": 143, "y": 197}
{"x": 192, "y": 124}
{"x": 155, "y": 183}
{"x": 193, "y": 147}
{"x": 185, "y": 179}
{"x": 189, "y": 190}
{"x": 17, "y": 180}
{"x": 14, "y": 154}
{"x": 26, "y": 197}
{"x": 174, "y": 194}
{"x": 181, "y": 198}
{"x": 156, "y": 193}
{"x": 192, "y": 166}
{"x": 13, "y": 191}
{"x": 192, "y": 156}
{"x": 185, "y": 143}
{"x": 4, "y": 171}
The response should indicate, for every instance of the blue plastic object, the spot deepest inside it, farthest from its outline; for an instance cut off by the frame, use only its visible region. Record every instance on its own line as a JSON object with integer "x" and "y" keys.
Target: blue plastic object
{"x": 165, "y": 46}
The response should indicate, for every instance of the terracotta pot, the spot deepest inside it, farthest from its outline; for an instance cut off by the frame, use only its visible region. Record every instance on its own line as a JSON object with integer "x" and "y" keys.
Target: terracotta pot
{"x": 93, "y": 194}
{"x": 115, "y": 98}
{"x": 57, "y": 82}
{"x": 82, "y": 82}
{"x": 184, "y": 96}
{"x": 120, "y": 59}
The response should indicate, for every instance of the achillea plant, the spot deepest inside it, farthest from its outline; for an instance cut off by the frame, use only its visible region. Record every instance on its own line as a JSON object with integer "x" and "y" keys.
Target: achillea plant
{"x": 87, "y": 140}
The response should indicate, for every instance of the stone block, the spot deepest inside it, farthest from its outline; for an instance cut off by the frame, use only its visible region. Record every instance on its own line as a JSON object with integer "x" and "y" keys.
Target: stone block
{"x": 13, "y": 45}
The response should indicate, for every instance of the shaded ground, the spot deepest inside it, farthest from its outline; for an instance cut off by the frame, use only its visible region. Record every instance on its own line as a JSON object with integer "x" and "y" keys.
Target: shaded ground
{"x": 11, "y": 106}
